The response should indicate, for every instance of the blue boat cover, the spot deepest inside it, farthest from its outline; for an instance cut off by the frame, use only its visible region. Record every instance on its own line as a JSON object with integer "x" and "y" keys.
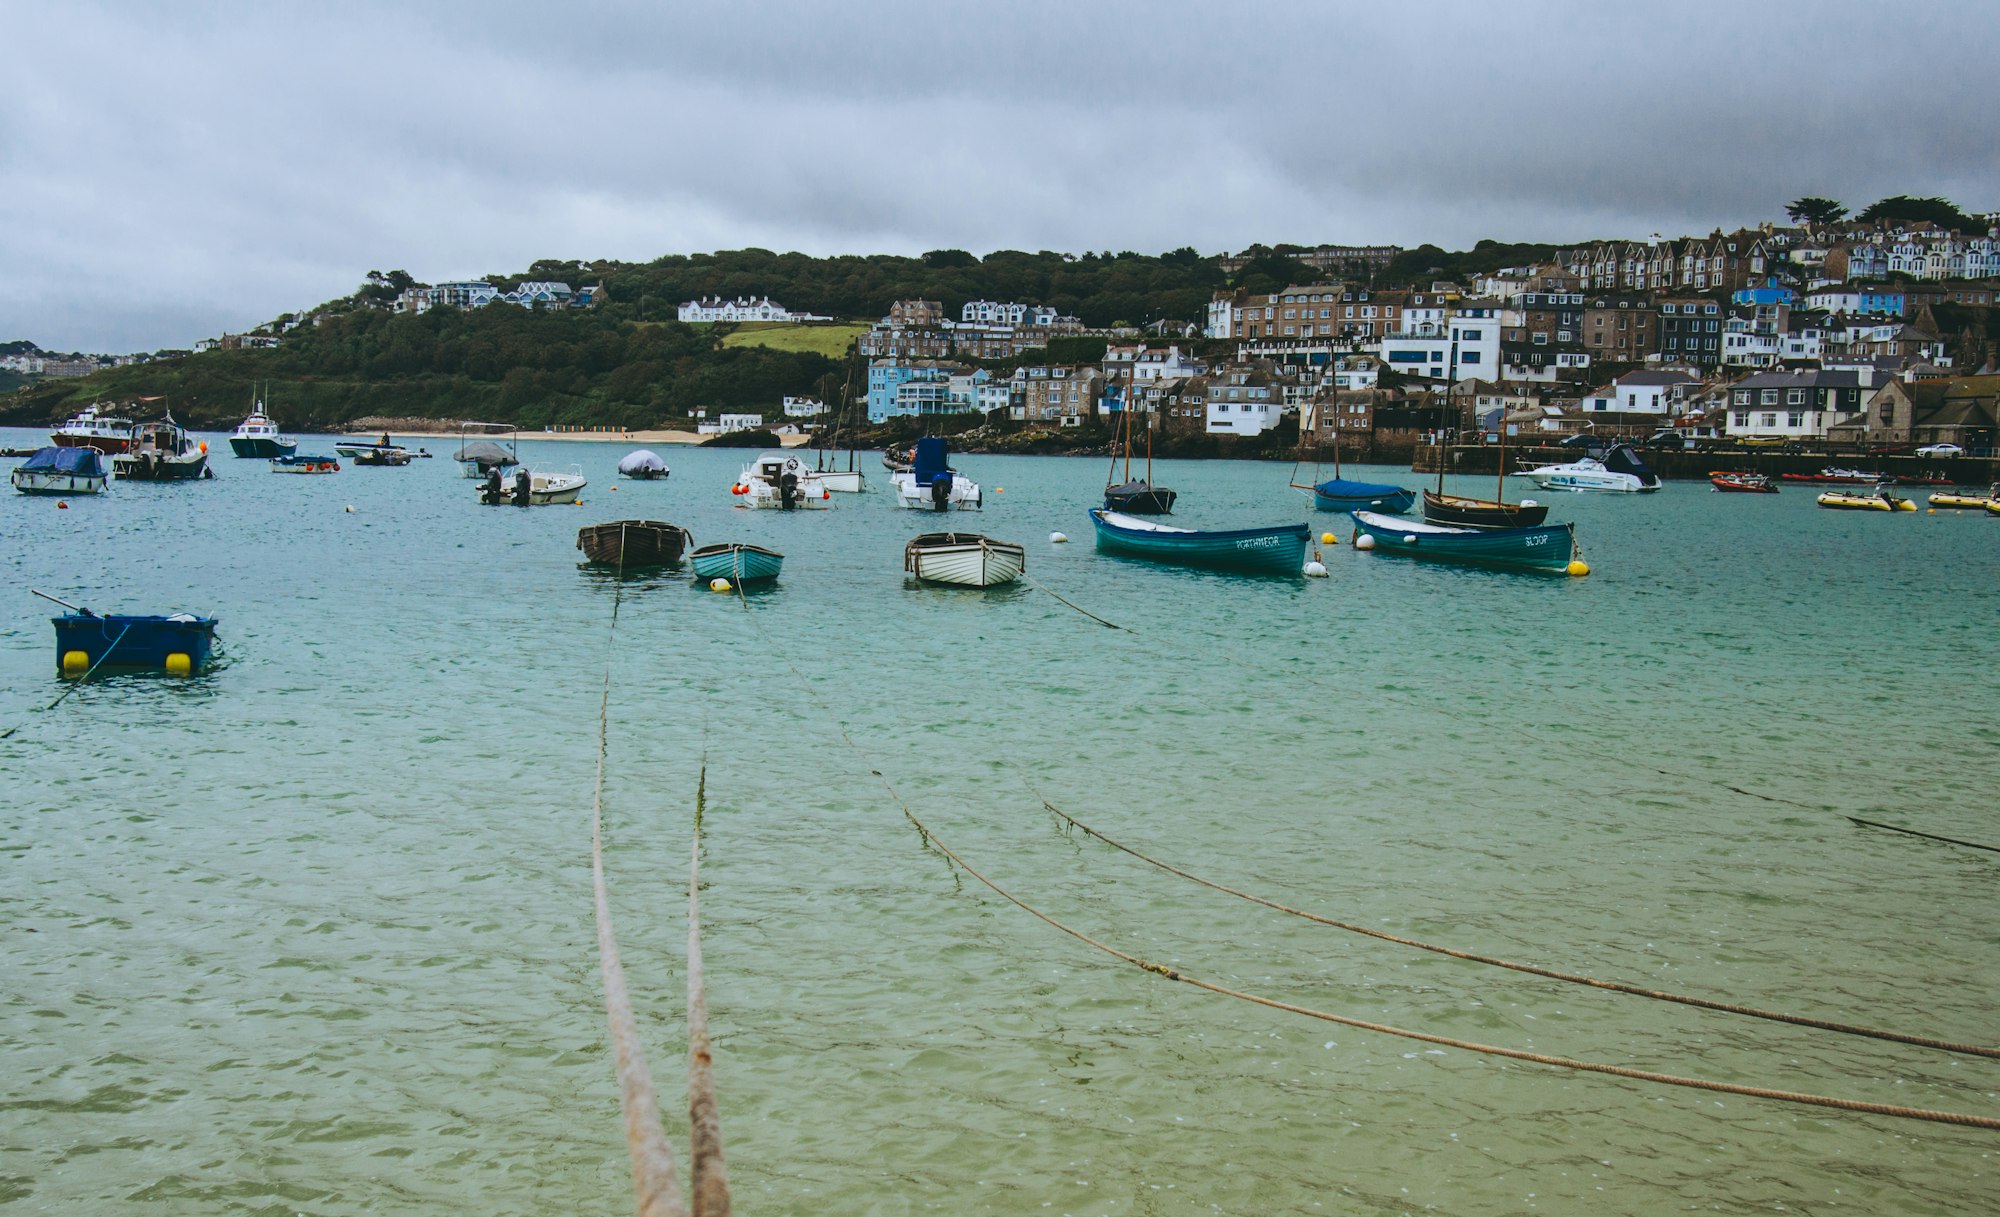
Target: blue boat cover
{"x": 1341, "y": 488}
{"x": 1622, "y": 459}
{"x": 77, "y": 462}
{"x": 932, "y": 459}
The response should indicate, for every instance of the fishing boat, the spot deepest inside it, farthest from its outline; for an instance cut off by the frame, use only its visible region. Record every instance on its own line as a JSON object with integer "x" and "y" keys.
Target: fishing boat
{"x": 301, "y": 463}
{"x": 1621, "y": 471}
{"x": 932, "y": 484}
{"x": 627, "y": 543}
{"x": 1463, "y": 511}
{"x": 257, "y": 435}
{"x": 1850, "y": 500}
{"x": 1135, "y": 496}
{"x": 162, "y": 452}
{"x": 1742, "y": 483}
{"x": 178, "y": 644}
{"x": 965, "y": 558}
{"x": 1277, "y": 550}
{"x": 1342, "y": 494}
{"x": 1968, "y": 502}
{"x": 642, "y": 465}
{"x": 1547, "y": 548}
{"x": 356, "y": 447}
{"x": 775, "y": 480}
{"x": 737, "y": 562}
{"x": 382, "y": 458}
{"x": 481, "y": 450}
{"x": 93, "y": 427}
{"x": 54, "y": 470}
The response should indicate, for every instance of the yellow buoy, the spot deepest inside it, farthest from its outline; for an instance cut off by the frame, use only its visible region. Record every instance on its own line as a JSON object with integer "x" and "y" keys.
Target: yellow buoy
{"x": 178, "y": 664}
{"x": 75, "y": 663}
{"x": 1327, "y": 538}
{"x": 1578, "y": 566}
{"x": 718, "y": 585}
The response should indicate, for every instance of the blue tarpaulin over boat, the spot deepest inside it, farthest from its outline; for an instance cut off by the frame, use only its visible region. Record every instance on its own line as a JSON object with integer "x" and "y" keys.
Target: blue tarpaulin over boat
{"x": 932, "y": 459}
{"x": 77, "y": 462}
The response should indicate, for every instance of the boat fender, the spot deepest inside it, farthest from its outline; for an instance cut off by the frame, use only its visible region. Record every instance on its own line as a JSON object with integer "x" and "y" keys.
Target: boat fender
{"x": 1363, "y": 541}
{"x": 1316, "y": 569}
{"x": 62, "y": 504}
{"x": 179, "y": 664}
{"x": 1056, "y": 538}
{"x": 1409, "y": 538}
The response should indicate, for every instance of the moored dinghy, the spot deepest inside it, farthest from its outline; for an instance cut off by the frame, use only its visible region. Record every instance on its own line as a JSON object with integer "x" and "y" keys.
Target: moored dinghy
{"x": 1277, "y": 550}
{"x": 737, "y": 562}
{"x": 178, "y": 644}
{"x": 1848, "y": 500}
{"x": 54, "y": 470}
{"x": 1742, "y": 483}
{"x": 642, "y": 465}
{"x": 1548, "y": 548}
{"x": 964, "y": 558}
{"x": 297, "y": 462}
{"x": 629, "y": 543}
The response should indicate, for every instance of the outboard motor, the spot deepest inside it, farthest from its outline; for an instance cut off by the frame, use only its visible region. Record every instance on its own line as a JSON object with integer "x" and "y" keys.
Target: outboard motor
{"x": 521, "y": 485}
{"x": 941, "y": 491}
{"x": 788, "y": 491}
{"x": 491, "y": 493}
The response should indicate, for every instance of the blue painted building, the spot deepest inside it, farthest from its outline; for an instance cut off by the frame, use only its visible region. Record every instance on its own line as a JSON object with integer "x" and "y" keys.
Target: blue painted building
{"x": 1770, "y": 293}
{"x": 897, "y": 388}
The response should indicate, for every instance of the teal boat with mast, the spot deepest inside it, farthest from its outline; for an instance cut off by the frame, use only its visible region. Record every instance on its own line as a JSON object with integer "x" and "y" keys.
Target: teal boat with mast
{"x": 1277, "y": 550}
{"x": 1547, "y": 549}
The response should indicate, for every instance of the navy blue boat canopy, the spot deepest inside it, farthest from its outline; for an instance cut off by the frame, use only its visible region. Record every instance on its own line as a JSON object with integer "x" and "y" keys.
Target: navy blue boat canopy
{"x": 77, "y": 462}
{"x": 932, "y": 459}
{"x": 1622, "y": 459}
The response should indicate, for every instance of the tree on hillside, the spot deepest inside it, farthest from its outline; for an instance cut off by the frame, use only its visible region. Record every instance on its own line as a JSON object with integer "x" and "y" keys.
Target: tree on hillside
{"x": 945, "y": 259}
{"x": 1816, "y": 210}
{"x": 1939, "y": 211}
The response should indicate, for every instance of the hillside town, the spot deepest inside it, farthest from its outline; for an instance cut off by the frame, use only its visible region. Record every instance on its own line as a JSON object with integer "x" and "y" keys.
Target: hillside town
{"x": 1827, "y": 334}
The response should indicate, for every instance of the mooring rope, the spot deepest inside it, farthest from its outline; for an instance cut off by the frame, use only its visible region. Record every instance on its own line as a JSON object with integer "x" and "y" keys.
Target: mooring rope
{"x": 1032, "y": 582}
{"x": 931, "y": 840}
{"x": 709, "y": 1184}
{"x": 79, "y": 680}
{"x": 655, "y": 1186}
{"x": 1642, "y": 1075}
{"x": 1925, "y": 835}
{"x": 1922, "y": 1041}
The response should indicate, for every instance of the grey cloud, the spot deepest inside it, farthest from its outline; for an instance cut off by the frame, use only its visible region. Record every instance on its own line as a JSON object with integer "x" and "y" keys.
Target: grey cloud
{"x": 220, "y": 163}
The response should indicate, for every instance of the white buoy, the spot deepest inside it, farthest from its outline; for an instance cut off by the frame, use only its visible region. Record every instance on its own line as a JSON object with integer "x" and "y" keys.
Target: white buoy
{"x": 1364, "y": 541}
{"x": 349, "y": 507}
{"x": 1056, "y": 538}
{"x": 1316, "y": 570}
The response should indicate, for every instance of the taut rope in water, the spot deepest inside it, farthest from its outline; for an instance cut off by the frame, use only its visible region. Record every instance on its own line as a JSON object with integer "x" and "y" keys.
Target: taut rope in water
{"x": 1922, "y": 1041}
{"x": 1925, "y": 835}
{"x": 710, "y": 1185}
{"x": 931, "y": 840}
{"x": 79, "y": 680}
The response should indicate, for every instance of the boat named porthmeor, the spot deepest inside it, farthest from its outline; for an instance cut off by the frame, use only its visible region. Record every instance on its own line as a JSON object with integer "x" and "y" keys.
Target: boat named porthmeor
{"x": 1276, "y": 550}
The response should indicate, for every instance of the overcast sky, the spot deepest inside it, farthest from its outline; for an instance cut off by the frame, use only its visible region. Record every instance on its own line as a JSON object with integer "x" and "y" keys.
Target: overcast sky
{"x": 171, "y": 171}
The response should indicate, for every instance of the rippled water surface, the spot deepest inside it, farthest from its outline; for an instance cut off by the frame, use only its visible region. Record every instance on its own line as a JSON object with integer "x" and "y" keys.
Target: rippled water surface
{"x": 312, "y": 933}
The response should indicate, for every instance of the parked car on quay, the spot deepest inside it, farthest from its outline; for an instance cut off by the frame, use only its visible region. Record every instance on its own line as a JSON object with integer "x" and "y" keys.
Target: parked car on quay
{"x": 1938, "y": 450}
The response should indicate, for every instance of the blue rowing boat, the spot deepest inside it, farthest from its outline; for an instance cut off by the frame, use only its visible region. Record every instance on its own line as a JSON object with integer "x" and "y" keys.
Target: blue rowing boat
{"x": 1549, "y": 548}
{"x": 1279, "y": 550}
{"x": 179, "y": 644}
{"x": 737, "y": 562}
{"x": 1339, "y": 494}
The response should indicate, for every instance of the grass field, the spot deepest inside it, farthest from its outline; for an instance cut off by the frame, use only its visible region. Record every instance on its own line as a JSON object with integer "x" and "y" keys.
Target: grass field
{"x": 830, "y": 340}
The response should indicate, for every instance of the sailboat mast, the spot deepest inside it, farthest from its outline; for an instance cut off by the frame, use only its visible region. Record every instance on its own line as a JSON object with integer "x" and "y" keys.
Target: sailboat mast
{"x": 1128, "y": 431}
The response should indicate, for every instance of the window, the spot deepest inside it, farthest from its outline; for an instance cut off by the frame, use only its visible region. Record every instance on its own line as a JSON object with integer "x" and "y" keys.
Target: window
{"x": 1796, "y": 418}
{"x": 1742, "y": 418}
{"x": 1767, "y": 397}
{"x": 1794, "y": 397}
{"x": 1771, "y": 419}
{"x": 1465, "y": 357}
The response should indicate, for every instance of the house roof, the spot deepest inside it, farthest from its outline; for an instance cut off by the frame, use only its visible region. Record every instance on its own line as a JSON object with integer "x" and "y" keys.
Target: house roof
{"x": 1657, "y": 378}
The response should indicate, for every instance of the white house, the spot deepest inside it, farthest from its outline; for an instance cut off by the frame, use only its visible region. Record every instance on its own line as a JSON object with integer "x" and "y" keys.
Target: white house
{"x": 989, "y": 312}
{"x": 803, "y": 407}
{"x": 1465, "y": 343}
{"x": 726, "y": 423}
{"x": 1242, "y": 404}
{"x": 1642, "y": 393}
{"x": 709, "y": 309}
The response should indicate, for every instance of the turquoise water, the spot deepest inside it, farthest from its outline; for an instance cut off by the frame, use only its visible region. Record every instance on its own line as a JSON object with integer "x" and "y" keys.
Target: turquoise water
{"x": 312, "y": 933}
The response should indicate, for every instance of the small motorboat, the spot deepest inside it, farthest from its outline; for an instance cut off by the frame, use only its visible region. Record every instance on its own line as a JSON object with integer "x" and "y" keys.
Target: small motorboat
{"x": 1849, "y": 500}
{"x": 1838, "y": 476}
{"x": 642, "y": 465}
{"x": 842, "y": 481}
{"x": 178, "y": 645}
{"x": 162, "y": 452}
{"x": 899, "y": 460}
{"x": 353, "y": 448}
{"x": 1547, "y": 549}
{"x": 94, "y": 427}
{"x": 786, "y": 483}
{"x": 1621, "y": 471}
{"x": 529, "y": 488}
{"x": 382, "y": 458}
{"x": 1276, "y": 550}
{"x": 480, "y": 450}
{"x": 299, "y": 463}
{"x": 1967, "y": 502}
{"x": 739, "y": 563}
{"x": 54, "y": 470}
{"x": 630, "y": 543}
{"x": 964, "y": 558}
{"x": 931, "y": 484}
{"x": 1741, "y": 483}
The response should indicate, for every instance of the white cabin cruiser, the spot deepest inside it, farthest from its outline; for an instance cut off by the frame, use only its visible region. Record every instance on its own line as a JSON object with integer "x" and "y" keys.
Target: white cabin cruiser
{"x": 1621, "y": 470}
{"x": 785, "y": 483}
